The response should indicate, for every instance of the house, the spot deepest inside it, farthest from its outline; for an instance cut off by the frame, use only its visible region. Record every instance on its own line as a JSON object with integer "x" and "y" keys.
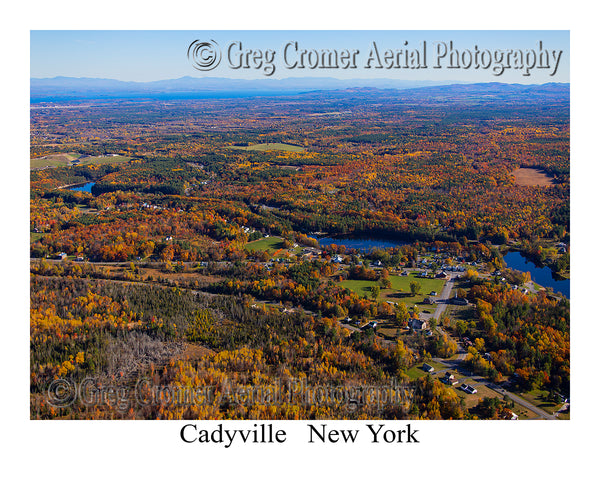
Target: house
{"x": 468, "y": 389}
{"x": 427, "y": 368}
{"x": 441, "y": 275}
{"x": 61, "y": 256}
{"x": 417, "y": 324}
{"x": 459, "y": 301}
{"x": 432, "y": 293}
{"x": 449, "y": 379}
{"x": 429, "y": 301}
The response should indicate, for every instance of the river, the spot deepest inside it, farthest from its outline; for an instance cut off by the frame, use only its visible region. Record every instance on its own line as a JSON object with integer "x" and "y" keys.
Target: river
{"x": 541, "y": 276}
{"x": 363, "y": 244}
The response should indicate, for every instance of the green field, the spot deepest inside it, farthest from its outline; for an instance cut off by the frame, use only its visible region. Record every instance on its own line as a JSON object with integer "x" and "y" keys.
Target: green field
{"x": 416, "y": 371}
{"x": 400, "y": 291}
{"x": 66, "y": 159}
{"x": 271, "y": 244}
{"x": 54, "y": 160}
{"x": 264, "y": 147}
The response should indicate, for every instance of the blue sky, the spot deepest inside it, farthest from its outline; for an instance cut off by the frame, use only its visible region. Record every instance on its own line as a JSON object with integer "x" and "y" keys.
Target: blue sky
{"x": 157, "y": 55}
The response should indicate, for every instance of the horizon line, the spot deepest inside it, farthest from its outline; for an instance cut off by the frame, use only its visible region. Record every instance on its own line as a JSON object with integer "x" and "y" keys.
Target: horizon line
{"x": 453, "y": 81}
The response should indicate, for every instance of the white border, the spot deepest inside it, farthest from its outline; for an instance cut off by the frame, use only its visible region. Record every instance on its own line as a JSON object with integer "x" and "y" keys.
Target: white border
{"x": 153, "y": 449}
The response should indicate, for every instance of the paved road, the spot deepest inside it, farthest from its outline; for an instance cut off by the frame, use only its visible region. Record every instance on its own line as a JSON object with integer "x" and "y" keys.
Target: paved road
{"x": 441, "y": 301}
{"x": 444, "y": 296}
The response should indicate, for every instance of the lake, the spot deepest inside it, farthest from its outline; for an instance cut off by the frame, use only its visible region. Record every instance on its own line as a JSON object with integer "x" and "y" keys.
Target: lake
{"x": 541, "y": 276}
{"x": 85, "y": 187}
{"x": 364, "y": 244}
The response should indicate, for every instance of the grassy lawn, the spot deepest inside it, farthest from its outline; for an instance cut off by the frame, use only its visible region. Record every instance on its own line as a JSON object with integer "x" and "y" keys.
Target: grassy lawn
{"x": 271, "y": 244}
{"x": 465, "y": 313}
{"x": 538, "y": 398}
{"x": 263, "y": 147}
{"x": 427, "y": 284}
{"x": 389, "y": 330}
{"x": 472, "y": 399}
{"x": 416, "y": 371}
{"x": 400, "y": 291}
{"x": 362, "y": 287}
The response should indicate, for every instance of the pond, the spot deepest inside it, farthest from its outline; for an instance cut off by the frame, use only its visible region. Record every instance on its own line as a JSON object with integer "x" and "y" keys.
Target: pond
{"x": 541, "y": 276}
{"x": 364, "y": 244}
{"x": 85, "y": 187}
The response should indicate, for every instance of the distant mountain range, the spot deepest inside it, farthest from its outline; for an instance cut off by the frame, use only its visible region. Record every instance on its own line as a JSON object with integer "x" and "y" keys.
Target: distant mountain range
{"x": 71, "y": 88}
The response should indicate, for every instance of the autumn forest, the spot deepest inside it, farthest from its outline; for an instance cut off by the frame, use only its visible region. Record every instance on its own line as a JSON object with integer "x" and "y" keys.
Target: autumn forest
{"x": 193, "y": 258}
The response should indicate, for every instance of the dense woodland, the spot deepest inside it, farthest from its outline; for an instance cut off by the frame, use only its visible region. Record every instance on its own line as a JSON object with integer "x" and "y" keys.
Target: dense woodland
{"x": 161, "y": 280}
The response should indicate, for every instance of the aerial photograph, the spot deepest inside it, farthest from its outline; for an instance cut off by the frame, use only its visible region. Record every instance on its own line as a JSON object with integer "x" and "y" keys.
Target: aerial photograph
{"x": 299, "y": 225}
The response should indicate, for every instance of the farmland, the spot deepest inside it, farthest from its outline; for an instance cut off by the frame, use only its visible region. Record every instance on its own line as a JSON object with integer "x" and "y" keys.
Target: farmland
{"x": 531, "y": 177}
{"x": 71, "y": 159}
